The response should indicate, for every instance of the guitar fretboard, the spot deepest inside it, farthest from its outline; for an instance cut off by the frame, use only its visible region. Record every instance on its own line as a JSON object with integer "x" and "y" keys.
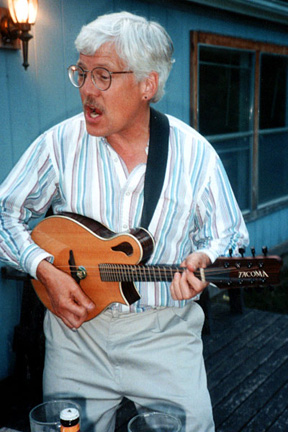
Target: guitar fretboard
{"x": 133, "y": 273}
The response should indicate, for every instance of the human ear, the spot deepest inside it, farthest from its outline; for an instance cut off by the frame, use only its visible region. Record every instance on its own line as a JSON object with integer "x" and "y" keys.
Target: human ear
{"x": 150, "y": 85}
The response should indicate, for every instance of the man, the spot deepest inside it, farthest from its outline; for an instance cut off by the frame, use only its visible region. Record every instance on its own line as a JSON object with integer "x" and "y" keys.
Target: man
{"x": 94, "y": 165}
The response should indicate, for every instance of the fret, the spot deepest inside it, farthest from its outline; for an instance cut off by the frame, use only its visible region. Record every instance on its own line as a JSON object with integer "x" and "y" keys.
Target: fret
{"x": 154, "y": 272}
{"x": 160, "y": 274}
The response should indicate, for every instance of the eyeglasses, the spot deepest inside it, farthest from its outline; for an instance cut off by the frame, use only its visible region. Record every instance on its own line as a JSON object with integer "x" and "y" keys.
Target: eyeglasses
{"x": 101, "y": 77}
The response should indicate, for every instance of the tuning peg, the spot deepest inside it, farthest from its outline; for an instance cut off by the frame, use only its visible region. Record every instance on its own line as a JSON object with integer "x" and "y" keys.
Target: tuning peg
{"x": 242, "y": 251}
{"x": 253, "y": 251}
{"x": 265, "y": 250}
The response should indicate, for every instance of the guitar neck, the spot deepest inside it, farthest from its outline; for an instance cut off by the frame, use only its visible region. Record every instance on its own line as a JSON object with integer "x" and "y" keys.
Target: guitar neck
{"x": 225, "y": 272}
{"x": 158, "y": 273}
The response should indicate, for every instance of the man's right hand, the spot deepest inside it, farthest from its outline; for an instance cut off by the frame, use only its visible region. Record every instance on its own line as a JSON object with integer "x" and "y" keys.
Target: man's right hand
{"x": 68, "y": 300}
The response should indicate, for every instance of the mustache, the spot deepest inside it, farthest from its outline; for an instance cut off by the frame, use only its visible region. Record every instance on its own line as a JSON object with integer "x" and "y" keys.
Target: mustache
{"x": 92, "y": 103}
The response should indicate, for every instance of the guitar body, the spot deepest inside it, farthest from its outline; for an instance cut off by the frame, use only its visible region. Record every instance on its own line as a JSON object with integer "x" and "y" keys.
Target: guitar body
{"x": 91, "y": 243}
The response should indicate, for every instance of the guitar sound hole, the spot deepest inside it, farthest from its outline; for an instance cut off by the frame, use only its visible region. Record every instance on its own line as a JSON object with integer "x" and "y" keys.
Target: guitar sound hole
{"x": 124, "y": 247}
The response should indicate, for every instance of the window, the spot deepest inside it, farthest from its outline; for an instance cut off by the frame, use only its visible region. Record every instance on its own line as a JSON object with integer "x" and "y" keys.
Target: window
{"x": 239, "y": 102}
{"x": 273, "y": 129}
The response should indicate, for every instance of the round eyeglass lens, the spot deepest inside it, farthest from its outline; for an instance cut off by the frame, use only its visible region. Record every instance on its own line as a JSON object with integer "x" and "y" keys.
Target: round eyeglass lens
{"x": 77, "y": 76}
{"x": 101, "y": 77}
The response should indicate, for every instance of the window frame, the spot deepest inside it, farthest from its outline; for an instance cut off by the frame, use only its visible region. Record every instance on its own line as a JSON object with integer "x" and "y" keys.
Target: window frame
{"x": 212, "y": 39}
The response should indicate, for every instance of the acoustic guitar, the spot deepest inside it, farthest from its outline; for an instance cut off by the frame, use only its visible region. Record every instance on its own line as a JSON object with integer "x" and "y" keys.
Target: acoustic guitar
{"x": 106, "y": 264}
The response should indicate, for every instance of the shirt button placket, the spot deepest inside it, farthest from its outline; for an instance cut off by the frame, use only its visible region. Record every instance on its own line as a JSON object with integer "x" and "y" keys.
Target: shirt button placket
{"x": 126, "y": 207}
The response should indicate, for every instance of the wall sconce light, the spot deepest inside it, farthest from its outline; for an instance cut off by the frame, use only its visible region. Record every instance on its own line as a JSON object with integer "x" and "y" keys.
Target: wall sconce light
{"x": 17, "y": 25}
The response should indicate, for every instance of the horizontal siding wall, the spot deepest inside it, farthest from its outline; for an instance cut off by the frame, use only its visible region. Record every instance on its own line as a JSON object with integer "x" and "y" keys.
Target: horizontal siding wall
{"x": 270, "y": 231}
{"x": 34, "y": 100}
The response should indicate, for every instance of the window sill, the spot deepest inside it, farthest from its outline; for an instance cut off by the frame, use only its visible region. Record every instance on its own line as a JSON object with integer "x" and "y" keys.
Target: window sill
{"x": 265, "y": 210}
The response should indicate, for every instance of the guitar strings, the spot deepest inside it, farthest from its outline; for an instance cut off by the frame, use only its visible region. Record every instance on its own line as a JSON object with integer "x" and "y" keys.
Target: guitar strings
{"x": 147, "y": 269}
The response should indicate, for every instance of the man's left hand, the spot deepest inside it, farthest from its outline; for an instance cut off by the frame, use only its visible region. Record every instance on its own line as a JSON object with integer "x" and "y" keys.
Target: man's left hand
{"x": 186, "y": 285}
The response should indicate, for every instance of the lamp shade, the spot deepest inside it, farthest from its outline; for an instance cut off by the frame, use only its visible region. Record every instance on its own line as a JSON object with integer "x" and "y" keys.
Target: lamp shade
{"x": 23, "y": 11}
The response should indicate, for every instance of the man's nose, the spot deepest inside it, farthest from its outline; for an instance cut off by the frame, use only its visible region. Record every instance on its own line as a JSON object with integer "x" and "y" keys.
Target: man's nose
{"x": 89, "y": 86}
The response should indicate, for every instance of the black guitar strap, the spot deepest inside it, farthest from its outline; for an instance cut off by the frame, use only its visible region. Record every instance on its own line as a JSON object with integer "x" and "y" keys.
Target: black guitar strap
{"x": 156, "y": 164}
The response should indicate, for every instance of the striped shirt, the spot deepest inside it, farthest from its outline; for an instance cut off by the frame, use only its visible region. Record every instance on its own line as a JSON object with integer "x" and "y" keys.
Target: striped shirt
{"x": 76, "y": 172}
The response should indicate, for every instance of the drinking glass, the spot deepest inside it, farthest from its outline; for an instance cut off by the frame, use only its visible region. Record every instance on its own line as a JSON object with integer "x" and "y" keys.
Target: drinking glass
{"x": 46, "y": 416}
{"x": 154, "y": 421}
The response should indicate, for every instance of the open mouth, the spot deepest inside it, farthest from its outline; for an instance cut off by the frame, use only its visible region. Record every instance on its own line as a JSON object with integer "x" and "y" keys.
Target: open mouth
{"x": 93, "y": 112}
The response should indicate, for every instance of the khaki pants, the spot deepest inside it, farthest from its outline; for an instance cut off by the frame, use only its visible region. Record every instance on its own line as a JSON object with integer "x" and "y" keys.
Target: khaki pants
{"x": 153, "y": 358}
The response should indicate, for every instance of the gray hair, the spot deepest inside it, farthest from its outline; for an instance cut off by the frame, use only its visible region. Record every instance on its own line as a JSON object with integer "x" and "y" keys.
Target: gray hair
{"x": 143, "y": 45}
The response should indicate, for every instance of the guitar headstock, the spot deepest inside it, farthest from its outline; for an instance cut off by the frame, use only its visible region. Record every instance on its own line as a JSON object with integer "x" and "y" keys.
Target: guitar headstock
{"x": 252, "y": 271}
